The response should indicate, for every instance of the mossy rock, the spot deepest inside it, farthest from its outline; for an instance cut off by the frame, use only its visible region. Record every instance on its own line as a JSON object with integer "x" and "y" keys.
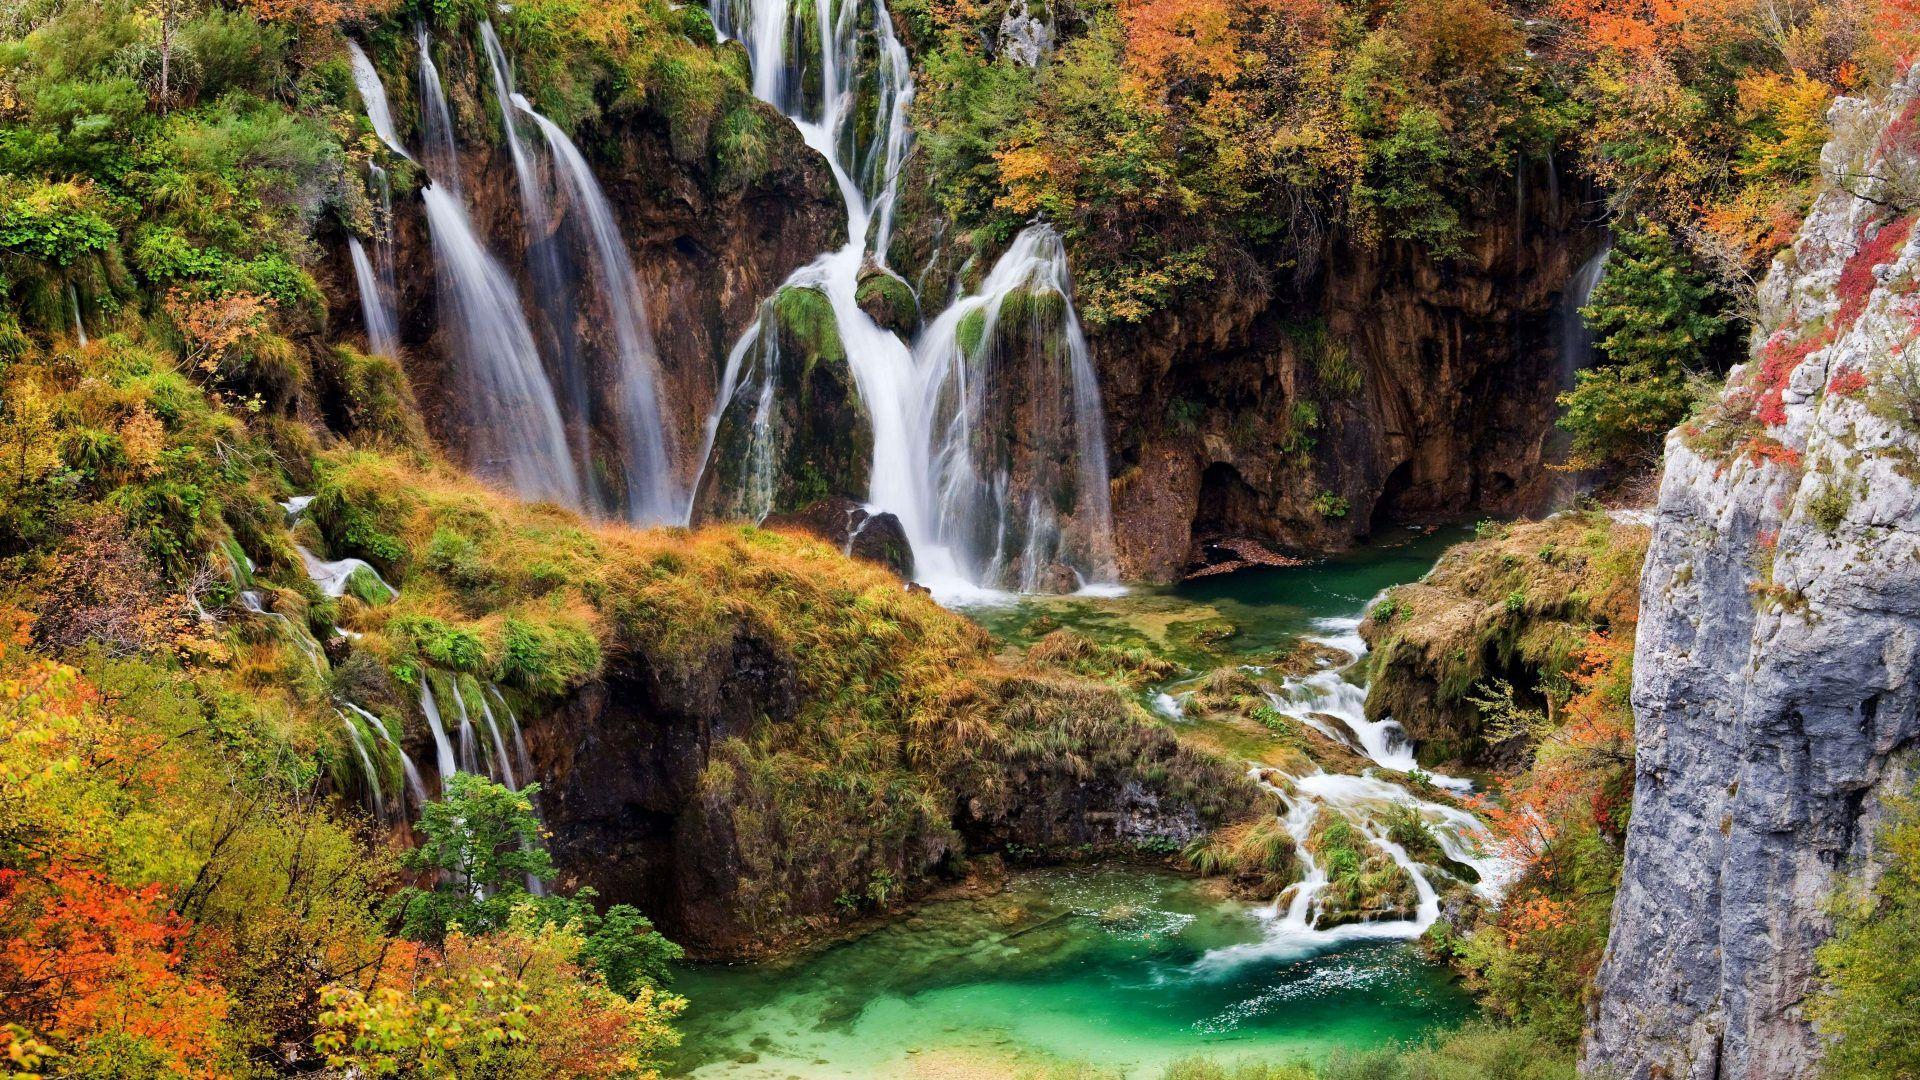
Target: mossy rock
{"x": 806, "y": 326}
{"x": 818, "y": 442}
{"x": 1042, "y": 307}
{"x": 888, "y": 300}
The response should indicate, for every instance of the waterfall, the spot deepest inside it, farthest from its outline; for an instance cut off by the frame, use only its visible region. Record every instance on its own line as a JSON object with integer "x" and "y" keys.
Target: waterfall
{"x": 1293, "y": 919}
{"x": 516, "y": 430}
{"x": 79, "y": 326}
{"x": 502, "y": 766}
{"x": 972, "y": 520}
{"x": 652, "y": 494}
{"x": 366, "y": 764}
{"x": 519, "y": 741}
{"x": 442, "y": 748}
{"x": 1576, "y": 340}
{"x": 373, "y": 95}
{"x": 554, "y": 284}
{"x": 994, "y": 527}
{"x": 436, "y": 119}
{"x": 382, "y": 338}
{"x": 415, "y": 785}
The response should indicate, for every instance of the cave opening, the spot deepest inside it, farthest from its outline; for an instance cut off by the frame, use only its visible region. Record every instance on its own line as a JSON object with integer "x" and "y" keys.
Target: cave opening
{"x": 1386, "y": 508}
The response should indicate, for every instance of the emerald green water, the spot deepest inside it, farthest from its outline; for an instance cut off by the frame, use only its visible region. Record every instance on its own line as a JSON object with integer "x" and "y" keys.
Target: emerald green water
{"x": 1099, "y": 966}
{"x": 1122, "y": 968}
{"x": 1268, "y": 609}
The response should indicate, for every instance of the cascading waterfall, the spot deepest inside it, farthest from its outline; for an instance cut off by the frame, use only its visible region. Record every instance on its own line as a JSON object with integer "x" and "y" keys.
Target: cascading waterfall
{"x": 991, "y": 525}
{"x": 516, "y": 431}
{"x": 373, "y": 96}
{"x": 959, "y": 512}
{"x": 79, "y": 324}
{"x": 652, "y": 494}
{"x": 1365, "y": 801}
{"x": 1576, "y": 339}
{"x": 436, "y": 117}
{"x": 366, "y": 763}
{"x": 442, "y": 746}
{"x": 382, "y": 337}
{"x": 554, "y": 282}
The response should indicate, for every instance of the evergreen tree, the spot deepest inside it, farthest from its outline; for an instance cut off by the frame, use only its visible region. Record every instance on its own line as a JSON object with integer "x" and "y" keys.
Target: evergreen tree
{"x": 1659, "y": 323}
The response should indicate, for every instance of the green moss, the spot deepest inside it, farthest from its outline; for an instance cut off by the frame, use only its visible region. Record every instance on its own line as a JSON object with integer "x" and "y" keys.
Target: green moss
{"x": 971, "y": 331}
{"x": 888, "y": 299}
{"x": 547, "y": 658}
{"x": 807, "y": 326}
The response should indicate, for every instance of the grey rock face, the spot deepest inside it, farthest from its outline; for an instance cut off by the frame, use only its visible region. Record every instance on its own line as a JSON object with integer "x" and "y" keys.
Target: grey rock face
{"x": 1775, "y": 671}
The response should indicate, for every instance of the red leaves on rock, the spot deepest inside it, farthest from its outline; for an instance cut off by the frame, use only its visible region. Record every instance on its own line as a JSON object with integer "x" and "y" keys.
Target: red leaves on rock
{"x": 1779, "y": 358}
{"x": 1848, "y": 381}
{"x": 1784, "y": 353}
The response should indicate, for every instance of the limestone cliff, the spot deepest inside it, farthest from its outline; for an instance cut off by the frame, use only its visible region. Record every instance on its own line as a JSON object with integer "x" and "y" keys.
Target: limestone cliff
{"x": 1775, "y": 673}
{"x": 1389, "y": 386}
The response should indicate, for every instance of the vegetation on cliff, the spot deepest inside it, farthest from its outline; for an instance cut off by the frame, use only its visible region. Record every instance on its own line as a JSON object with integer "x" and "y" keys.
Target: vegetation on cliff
{"x": 1172, "y": 140}
{"x": 1517, "y": 650}
{"x": 1869, "y": 1003}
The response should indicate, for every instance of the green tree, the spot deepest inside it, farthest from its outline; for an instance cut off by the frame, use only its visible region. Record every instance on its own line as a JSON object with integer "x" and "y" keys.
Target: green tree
{"x": 1869, "y": 1002}
{"x": 1659, "y": 323}
{"x": 482, "y": 842}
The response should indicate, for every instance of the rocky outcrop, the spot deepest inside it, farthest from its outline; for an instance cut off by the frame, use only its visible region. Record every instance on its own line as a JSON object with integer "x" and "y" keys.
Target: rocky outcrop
{"x": 1391, "y": 387}
{"x": 861, "y": 532}
{"x": 794, "y": 429}
{"x": 1514, "y": 606}
{"x": 1777, "y": 671}
{"x": 651, "y": 801}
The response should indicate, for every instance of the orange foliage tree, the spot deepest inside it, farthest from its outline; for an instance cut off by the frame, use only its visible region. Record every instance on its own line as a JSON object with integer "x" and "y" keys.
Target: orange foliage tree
{"x": 86, "y": 961}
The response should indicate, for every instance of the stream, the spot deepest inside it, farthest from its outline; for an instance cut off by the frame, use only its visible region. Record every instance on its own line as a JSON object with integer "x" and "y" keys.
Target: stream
{"x": 1125, "y": 968}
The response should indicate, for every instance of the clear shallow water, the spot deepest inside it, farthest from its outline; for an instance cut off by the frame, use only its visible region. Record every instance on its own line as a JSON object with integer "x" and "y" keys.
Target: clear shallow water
{"x": 1268, "y": 609}
{"x": 1113, "y": 966}
{"x": 1123, "y": 968}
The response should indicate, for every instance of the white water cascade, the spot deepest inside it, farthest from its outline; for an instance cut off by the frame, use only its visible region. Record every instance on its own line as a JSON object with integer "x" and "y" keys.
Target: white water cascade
{"x": 1369, "y": 802}
{"x": 382, "y": 337}
{"x": 653, "y": 496}
{"x": 366, "y": 763}
{"x": 554, "y": 283}
{"x": 1576, "y": 340}
{"x": 988, "y": 526}
{"x": 516, "y": 430}
{"x": 436, "y": 117}
{"x": 373, "y": 95}
{"x": 79, "y": 324}
{"x": 971, "y": 522}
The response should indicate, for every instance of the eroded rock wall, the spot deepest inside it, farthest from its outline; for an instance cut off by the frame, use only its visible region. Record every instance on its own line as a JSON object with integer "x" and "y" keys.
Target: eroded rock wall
{"x": 1778, "y": 659}
{"x": 1393, "y": 387}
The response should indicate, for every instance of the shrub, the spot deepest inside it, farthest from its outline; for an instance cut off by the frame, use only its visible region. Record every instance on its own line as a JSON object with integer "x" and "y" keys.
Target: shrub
{"x": 1869, "y": 998}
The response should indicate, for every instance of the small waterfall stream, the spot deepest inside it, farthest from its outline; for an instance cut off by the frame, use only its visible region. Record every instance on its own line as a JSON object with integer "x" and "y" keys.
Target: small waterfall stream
{"x": 436, "y": 117}
{"x": 79, "y": 324}
{"x": 516, "y": 430}
{"x": 382, "y": 337}
{"x": 1576, "y": 340}
{"x": 1366, "y": 801}
{"x": 653, "y": 496}
{"x": 373, "y": 96}
{"x": 975, "y": 392}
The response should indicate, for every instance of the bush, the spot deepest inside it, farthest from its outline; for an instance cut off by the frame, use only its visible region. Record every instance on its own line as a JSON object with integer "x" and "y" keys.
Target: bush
{"x": 1869, "y": 998}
